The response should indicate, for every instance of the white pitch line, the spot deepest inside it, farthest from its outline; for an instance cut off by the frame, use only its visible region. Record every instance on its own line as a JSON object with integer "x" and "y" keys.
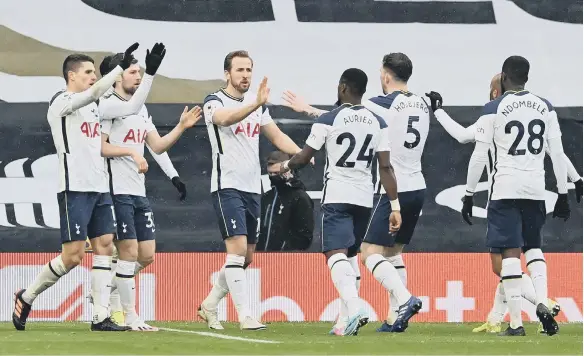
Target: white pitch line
{"x": 221, "y": 336}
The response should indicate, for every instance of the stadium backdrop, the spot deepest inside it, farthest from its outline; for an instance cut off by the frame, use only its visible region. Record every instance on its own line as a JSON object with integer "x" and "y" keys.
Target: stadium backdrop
{"x": 447, "y": 263}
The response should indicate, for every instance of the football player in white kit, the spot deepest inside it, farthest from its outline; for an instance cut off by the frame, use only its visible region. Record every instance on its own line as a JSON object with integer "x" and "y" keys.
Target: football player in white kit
{"x": 352, "y": 136}
{"x": 125, "y": 122}
{"x": 235, "y": 118}
{"x": 85, "y": 204}
{"x": 517, "y": 126}
{"x": 467, "y": 135}
{"x": 407, "y": 115}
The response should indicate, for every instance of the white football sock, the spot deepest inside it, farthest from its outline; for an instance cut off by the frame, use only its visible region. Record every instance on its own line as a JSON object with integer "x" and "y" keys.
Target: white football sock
{"x": 387, "y": 275}
{"x": 397, "y": 262}
{"x": 511, "y": 276}
{"x": 538, "y": 270}
{"x": 114, "y": 286}
{"x": 115, "y": 301}
{"x": 218, "y": 292}
{"x": 49, "y": 275}
{"x": 127, "y": 289}
{"x": 101, "y": 280}
{"x": 343, "y": 276}
{"x": 344, "y": 313}
{"x": 237, "y": 282}
{"x": 354, "y": 261}
{"x": 497, "y": 314}
{"x": 527, "y": 289}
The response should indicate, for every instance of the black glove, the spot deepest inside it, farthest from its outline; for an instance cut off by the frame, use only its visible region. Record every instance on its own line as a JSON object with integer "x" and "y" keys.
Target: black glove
{"x": 435, "y": 100}
{"x": 578, "y": 189}
{"x": 467, "y": 208}
{"x": 154, "y": 58}
{"x": 128, "y": 57}
{"x": 181, "y": 187}
{"x": 562, "y": 208}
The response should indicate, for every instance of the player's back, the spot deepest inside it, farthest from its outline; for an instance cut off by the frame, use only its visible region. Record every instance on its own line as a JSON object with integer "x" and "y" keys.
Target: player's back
{"x": 408, "y": 119}
{"x": 77, "y": 139}
{"x": 521, "y": 123}
{"x": 353, "y": 134}
{"x": 235, "y": 148}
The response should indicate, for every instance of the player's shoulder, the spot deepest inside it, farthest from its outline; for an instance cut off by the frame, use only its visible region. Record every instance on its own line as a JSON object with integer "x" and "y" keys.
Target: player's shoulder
{"x": 61, "y": 94}
{"x": 328, "y": 118}
{"x": 380, "y": 120}
{"x": 549, "y": 105}
{"x": 492, "y": 106}
{"x": 215, "y": 96}
{"x": 386, "y": 101}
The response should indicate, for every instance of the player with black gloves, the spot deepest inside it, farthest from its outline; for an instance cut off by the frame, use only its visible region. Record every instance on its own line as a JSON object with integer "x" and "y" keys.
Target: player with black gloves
{"x": 125, "y": 122}
{"x": 533, "y": 290}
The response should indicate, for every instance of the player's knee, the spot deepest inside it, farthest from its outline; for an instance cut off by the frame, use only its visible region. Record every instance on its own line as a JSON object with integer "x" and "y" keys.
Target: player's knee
{"x": 236, "y": 245}
{"x": 146, "y": 261}
{"x": 72, "y": 260}
{"x": 496, "y": 269}
{"x": 128, "y": 250}
{"x": 103, "y": 245}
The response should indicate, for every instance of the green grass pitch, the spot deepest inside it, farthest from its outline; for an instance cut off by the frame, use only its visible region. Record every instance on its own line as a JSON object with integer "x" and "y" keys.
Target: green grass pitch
{"x": 283, "y": 339}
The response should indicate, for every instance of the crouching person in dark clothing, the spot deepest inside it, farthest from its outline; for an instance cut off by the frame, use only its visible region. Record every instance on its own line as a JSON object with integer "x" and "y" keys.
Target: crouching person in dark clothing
{"x": 287, "y": 222}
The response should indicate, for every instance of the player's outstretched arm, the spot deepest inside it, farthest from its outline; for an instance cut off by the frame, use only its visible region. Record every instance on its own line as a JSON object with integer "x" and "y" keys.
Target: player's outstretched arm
{"x": 279, "y": 139}
{"x": 458, "y": 132}
{"x": 573, "y": 175}
{"x": 454, "y": 129}
{"x": 476, "y": 165}
{"x": 110, "y": 109}
{"x": 556, "y": 153}
{"x": 163, "y": 160}
{"x": 110, "y": 151}
{"x": 389, "y": 183}
{"x": 79, "y": 100}
{"x": 299, "y": 160}
{"x": 228, "y": 117}
{"x": 187, "y": 120}
{"x": 298, "y": 104}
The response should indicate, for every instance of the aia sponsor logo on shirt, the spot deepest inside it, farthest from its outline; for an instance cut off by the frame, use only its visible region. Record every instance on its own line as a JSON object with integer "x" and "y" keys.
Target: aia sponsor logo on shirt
{"x": 248, "y": 129}
{"x": 135, "y": 136}
{"x": 90, "y": 129}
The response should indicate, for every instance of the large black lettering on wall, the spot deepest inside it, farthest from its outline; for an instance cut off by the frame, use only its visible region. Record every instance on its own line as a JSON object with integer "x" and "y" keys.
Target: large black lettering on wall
{"x": 556, "y": 10}
{"x": 360, "y": 11}
{"x": 371, "y": 11}
{"x": 188, "y": 10}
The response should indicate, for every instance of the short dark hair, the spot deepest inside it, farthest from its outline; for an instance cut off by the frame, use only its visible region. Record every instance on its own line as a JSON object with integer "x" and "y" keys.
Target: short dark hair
{"x": 72, "y": 63}
{"x": 229, "y": 58}
{"x": 516, "y": 68}
{"x": 110, "y": 62}
{"x": 400, "y": 65}
{"x": 356, "y": 80}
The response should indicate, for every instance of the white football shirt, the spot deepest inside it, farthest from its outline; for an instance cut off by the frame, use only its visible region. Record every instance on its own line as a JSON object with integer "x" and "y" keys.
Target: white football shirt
{"x": 235, "y": 149}
{"x": 518, "y": 124}
{"x": 408, "y": 119}
{"x": 129, "y": 131}
{"x": 77, "y": 138}
{"x": 352, "y": 135}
